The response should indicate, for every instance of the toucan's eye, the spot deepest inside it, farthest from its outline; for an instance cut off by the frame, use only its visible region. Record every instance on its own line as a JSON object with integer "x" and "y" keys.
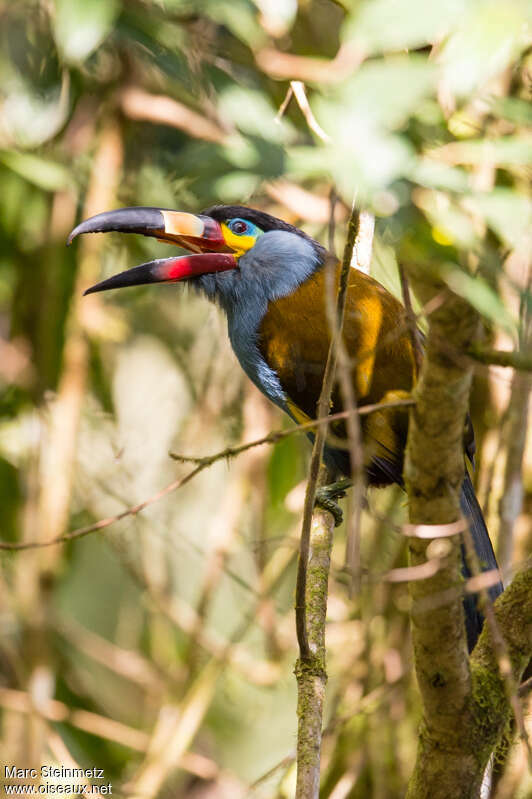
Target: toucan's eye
{"x": 240, "y": 234}
{"x": 239, "y": 226}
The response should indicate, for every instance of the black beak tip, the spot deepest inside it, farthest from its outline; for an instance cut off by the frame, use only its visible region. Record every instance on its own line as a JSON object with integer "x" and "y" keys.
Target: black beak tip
{"x": 74, "y": 234}
{"x": 143, "y": 220}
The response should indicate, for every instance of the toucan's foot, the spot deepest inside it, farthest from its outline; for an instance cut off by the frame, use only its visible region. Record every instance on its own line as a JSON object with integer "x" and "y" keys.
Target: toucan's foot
{"x": 332, "y": 506}
{"x": 326, "y": 495}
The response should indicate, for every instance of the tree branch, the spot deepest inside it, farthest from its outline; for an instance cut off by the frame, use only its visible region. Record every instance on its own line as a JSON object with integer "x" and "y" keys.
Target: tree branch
{"x": 201, "y": 464}
{"x": 466, "y": 703}
{"x": 434, "y": 471}
{"x": 311, "y": 672}
{"x": 313, "y": 571}
{"x": 319, "y": 441}
{"x": 521, "y": 361}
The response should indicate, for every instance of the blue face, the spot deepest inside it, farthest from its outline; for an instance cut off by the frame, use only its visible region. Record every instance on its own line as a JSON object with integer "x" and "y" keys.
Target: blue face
{"x": 240, "y": 235}
{"x": 241, "y": 227}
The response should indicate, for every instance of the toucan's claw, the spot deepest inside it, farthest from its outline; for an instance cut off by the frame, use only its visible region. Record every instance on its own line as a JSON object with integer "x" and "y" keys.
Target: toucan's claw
{"x": 326, "y": 495}
{"x": 330, "y": 505}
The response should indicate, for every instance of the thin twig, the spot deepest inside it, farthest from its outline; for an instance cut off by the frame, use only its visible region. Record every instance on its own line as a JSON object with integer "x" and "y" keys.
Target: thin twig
{"x": 360, "y": 259}
{"x": 356, "y": 463}
{"x": 304, "y": 427}
{"x": 284, "y": 105}
{"x": 331, "y": 224}
{"x": 285, "y": 763}
{"x": 511, "y": 502}
{"x": 313, "y": 568}
{"x": 202, "y": 463}
{"x": 286, "y": 66}
{"x": 163, "y": 110}
{"x": 319, "y": 441}
{"x": 54, "y": 710}
{"x": 415, "y": 336}
{"x": 525, "y": 688}
{"x": 298, "y": 88}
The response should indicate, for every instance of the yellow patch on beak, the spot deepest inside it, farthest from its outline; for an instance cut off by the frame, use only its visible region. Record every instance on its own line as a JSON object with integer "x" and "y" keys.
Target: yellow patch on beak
{"x": 239, "y": 244}
{"x": 178, "y": 223}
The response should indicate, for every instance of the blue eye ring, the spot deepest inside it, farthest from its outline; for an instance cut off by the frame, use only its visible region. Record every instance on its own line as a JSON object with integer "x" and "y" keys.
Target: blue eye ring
{"x": 240, "y": 227}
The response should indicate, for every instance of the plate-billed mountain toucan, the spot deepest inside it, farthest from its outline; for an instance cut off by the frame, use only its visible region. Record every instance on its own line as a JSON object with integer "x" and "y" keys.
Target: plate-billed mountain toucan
{"x": 269, "y": 278}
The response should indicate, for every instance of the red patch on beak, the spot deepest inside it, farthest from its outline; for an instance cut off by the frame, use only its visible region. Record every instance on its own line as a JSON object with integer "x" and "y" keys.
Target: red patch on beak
{"x": 192, "y": 265}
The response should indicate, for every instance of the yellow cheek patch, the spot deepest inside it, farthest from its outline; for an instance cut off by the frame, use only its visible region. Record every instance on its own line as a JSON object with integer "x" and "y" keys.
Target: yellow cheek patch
{"x": 240, "y": 244}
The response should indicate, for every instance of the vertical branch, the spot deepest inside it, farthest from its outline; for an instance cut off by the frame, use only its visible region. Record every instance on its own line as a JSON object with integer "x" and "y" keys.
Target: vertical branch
{"x": 322, "y": 412}
{"x": 360, "y": 259}
{"x": 511, "y": 501}
{"x": 364, "y": 244}
{"x": 356, "y": 463}
{"x": 311, "y": 673}
{"x": 448, "y": 762}
{"x": 310, "y": 668}
{"x": 363, "y": 249}
{"x": 413, "y": 330}
{"x": 331, "y": 225}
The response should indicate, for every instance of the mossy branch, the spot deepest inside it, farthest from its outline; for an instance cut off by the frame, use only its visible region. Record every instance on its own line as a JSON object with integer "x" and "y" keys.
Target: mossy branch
{"x": 311, "y": 672}
{"x": 520, "y": 361}
{"x": 434, "y": 471}
{"x": 465, "y": 703}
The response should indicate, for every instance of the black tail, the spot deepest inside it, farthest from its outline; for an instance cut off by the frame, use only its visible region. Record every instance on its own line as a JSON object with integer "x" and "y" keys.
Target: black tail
{"x": 473, "y": 513}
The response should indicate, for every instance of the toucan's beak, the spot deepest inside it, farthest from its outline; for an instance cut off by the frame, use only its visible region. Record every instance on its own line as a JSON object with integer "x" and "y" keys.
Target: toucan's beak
{"x": 200, "y": 234}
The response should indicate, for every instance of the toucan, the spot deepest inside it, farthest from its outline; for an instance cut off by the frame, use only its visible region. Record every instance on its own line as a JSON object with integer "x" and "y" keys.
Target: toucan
{"x": 269, "y": 278}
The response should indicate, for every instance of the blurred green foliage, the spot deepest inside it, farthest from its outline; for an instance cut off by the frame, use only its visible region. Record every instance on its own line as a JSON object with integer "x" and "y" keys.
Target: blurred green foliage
{"x": 426, "y": 115}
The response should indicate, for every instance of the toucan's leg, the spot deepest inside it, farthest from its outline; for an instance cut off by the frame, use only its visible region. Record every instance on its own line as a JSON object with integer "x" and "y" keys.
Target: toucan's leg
{"x": 326, "y": 495}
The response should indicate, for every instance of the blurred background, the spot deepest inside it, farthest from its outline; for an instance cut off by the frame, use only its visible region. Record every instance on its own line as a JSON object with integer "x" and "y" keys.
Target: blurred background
{"x": 161, "y": 648}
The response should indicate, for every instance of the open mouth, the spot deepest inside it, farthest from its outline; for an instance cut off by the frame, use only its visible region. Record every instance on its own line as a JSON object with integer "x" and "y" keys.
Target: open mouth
{"x": 200, "y": 234}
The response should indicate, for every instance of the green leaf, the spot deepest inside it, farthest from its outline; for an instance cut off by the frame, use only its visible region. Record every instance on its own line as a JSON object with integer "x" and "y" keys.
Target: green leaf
{"x": 505, "y": 151}
{"x": 508, "y": 213}
{"x": 513, "y": 109}
{"x": 31, "y": 118}
{"x": 379, "y": 25}
{"x": 375, "y": 161}
{"x": 240, "y": 17}
{"x": 360, "y": 115}
{"x": 80, "y": 26}
{"x": 46, "y": 174}
{"x": 253, "y": 113}
{"x": 480, "y": 295}
{"x": 236, "y": 186}
{"x": 381, "y": 93}
{"x": 491, "y": 35}
{"x": 434, "y": 175}
{"x": 451, "y": 224}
